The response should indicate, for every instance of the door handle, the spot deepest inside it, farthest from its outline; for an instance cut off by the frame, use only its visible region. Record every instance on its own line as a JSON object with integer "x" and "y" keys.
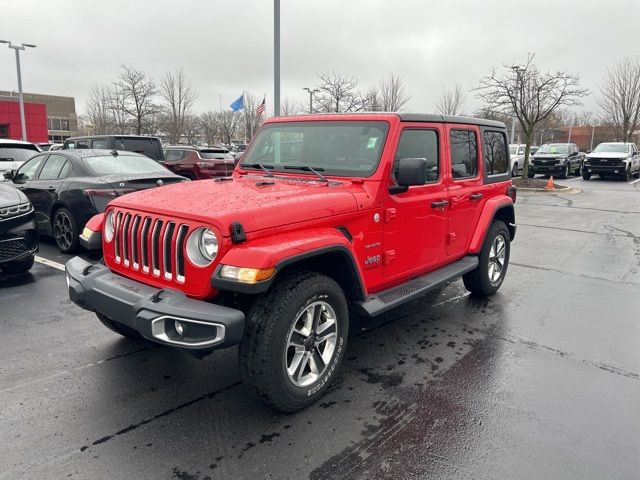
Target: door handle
{"x": 51, "y": 189}
{"x": 474, "y": 197}
{"x": 439, "y": 204}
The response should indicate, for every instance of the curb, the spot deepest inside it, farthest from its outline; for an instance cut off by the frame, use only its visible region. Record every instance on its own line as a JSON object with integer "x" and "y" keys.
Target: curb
{"x": 555, "y": 190}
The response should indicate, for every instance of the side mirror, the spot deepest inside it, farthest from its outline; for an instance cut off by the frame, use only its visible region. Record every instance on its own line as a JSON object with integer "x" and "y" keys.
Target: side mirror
{"x": 9, "y": 174}
{"x": 411, "y": 171}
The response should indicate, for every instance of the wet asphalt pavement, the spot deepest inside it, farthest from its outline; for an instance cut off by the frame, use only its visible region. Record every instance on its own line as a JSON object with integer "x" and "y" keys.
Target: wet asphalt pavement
{"x": 540, "y": 381}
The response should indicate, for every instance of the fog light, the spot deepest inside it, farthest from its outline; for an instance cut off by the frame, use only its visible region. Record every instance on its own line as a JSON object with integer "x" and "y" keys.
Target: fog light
{"x": 179, "y": 327}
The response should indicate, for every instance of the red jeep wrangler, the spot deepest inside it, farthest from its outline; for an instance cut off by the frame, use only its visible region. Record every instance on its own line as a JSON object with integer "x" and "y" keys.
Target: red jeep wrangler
{"x": 325, "y": 215}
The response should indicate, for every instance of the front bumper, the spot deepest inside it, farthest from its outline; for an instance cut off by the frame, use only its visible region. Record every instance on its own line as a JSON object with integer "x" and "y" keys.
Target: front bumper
{"x": 610, "y": 169}
{"x": 154, "y": 312}
{"x": 18, "y": 238}
{"x": 558, "y": 168}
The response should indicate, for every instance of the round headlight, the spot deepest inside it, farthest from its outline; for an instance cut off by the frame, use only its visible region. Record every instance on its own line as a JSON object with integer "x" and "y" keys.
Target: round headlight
{"x": 109, "y": 226}
{"x": 202, "y": 247}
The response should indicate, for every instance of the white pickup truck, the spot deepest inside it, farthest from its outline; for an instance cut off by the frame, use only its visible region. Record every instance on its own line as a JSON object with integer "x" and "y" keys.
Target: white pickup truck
{"x": 613, "y": 159}
{"x": 14, "y": 153}
{"x": 516, "y": 153}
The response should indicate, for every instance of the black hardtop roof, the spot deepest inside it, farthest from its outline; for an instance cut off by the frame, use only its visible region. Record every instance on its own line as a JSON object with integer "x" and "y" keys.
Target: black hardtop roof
{"x": 95, "y": 152}
{"x": 111, "y": 136}
{"x": 191, "y": 147}
{"x": 436, "y": 118}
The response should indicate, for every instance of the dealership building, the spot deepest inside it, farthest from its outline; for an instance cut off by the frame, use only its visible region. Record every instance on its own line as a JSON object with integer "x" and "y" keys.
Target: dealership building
{"x": 48, "y": 118}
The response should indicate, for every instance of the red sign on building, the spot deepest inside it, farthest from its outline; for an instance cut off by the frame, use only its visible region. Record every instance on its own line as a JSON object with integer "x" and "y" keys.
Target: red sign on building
{"x": 35, "y": 115}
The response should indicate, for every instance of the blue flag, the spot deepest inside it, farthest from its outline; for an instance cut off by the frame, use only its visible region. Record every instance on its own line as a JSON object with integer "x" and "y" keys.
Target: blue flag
{"x": 238, "y": 104}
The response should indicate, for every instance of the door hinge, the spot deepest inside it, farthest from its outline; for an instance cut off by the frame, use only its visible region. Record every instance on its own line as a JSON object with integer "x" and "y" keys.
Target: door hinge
{"x": 451, "y": 238}
{"x": 389, "y": 214}
{"x": 389, "y": 256}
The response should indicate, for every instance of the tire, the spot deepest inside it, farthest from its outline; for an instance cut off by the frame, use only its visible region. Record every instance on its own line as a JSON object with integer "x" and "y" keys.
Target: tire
{"x": 65, "y": 230}
{"x": 19, "y": 266}
{"x": 578, "y": 171}
{"x": 530, "y": 175}
{"x": 118, "y": 328}
{"x": 637, "y": 174}
{"x": 275, "y": 325}
{"x": 514, "y": 170}
{"x": 586, "y": 175}
{"x": 565, "y": 173}
{"x": 627, "y": 174}
{"x": 480, "y": 281}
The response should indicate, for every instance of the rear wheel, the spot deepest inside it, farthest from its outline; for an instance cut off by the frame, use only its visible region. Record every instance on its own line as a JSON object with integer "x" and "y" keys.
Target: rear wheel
{"x": 295, "y": 338}
{"x": 65, "y": 230}
{"x": 514, "y": 170}
{"x": 487, "y": 278}
{"x": 19, "y": 266}
{"x": 118, "y": 327}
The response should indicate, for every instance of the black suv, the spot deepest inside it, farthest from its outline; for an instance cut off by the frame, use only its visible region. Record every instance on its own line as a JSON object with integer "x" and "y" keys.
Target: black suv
{"x": 559, "y": 159}
{"x": 18, "y": 231}
{"x": 149, "y": 146}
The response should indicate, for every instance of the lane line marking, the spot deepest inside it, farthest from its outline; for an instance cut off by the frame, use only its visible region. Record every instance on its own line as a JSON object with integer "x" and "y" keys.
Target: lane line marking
{"x": 635, "y": 181}
{"x": 49, "y": 263}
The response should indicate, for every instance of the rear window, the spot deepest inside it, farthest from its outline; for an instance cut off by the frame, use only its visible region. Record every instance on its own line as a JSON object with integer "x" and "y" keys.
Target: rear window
{"x": 496, "y": 159}
{"x": 109, "y": 164}
{"x": 216, "y": 153}
{"x": 146, "y": 146}
{"x": 16, "y": 153}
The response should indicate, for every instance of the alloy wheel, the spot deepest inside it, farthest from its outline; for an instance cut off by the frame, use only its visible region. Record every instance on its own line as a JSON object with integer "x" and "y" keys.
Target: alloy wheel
{"x": 497, "y": 255}
{"x": 311, "y": 344}
{"x": 63, "y": 230}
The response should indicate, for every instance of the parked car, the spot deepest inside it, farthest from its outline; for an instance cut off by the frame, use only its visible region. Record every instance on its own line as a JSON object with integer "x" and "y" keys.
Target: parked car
{"x": 18, "y": 231}
{"x": 14, "y": 153}
{"x": 55, "y": 146}
{"x": 197, "y": 163}
{"x": 561, "y": 159}
{"x": 149, "y": 146}
{"x": 516, "y": 154}
{"x": 370, "y": 212}
{"x": 68, "y": 187}
{"x": 613, "y": 158}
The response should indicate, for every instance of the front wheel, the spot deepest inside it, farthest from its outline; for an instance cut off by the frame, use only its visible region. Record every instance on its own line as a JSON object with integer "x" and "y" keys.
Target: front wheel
{"x": 565, "y": 173}
{"x": 627, "y": 174}
{"x": 586, "y": 175}
{"x": 530, "y": 175}
{"x": 487, "y": 278}
{"x": 295, "y": 338}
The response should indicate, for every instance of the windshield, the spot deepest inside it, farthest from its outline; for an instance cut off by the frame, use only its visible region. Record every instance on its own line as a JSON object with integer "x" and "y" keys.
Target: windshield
{"x": 16, "y": 154}
{"x": 512, "y": 149}
{"x": 612, "y": 148}
{"x": 109, "y": 164}
{"x": 341, "y": 148}
{"x": 218, "y": 154}
{"x": 554, "y": 148}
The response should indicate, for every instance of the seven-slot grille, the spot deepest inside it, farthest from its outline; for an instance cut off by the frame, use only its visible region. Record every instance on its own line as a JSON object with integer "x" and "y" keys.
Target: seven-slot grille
{"x": 150, "y": 245}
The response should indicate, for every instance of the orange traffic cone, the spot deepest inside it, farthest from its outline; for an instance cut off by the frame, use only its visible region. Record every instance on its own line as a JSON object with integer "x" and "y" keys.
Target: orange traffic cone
{"x": 550, "y": 183}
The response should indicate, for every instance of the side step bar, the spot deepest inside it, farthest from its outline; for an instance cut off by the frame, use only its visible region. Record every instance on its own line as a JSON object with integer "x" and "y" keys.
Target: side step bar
{"x": 379, "y": 303}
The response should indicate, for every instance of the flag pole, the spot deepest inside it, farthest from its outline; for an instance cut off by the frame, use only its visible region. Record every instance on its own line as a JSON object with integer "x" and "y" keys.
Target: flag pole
{"x": 244, "y": 94}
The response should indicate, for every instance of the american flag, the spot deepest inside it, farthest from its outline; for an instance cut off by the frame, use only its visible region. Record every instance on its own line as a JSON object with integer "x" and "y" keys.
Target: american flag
{"x": 261, "y": 108}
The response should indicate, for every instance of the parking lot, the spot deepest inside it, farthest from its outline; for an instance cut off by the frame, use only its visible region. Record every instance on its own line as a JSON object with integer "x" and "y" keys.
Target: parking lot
{"x": 539, "y": 381}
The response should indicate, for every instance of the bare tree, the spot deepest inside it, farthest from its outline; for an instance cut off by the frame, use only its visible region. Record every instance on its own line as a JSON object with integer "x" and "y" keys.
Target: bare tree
{"x": 338, "y": 94}
{"x": 373, "y": 100}
{"x": 289, "y": 107}
{"x": 227, "y": 122}
{"x": 208, "y": 124}
{"x": 620, "y": 97}
{"x": 138, "y": 93}
{"x": 533, "y": 96}
{"x": 393, "y": 95}
{"x": 178, "y": 97}
{"x": 191, "y": 128}
{"x": 122, "y": 121}
{"x": 451, "y": 101}
{"x": 98, "y": 110}
{"x": 249, "y": 122}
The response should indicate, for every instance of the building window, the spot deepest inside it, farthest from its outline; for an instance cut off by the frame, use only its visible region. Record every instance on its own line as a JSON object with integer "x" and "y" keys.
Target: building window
{"x": 64, "y": 125}
{"x": 55, "y": 124}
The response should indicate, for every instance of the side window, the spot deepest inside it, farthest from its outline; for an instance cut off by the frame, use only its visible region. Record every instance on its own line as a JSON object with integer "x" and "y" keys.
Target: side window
{"x": 28, "y": 170}
{"x": 82, "y": 144}
{"x": 52, "y": 168}
{"x": 66, "y": 170}
{"x": 419, "y": 143}
{"x": 496, "y": 159}
{"x": 464, "y": 154}
{"x": 101, "y": 143}
{"x": 521, "y": 151}
{"x": 172, "y": 155}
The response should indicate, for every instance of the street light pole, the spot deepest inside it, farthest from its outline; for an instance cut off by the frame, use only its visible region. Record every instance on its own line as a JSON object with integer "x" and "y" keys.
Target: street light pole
{"x": 20, "y": 96}
{"x": 276, "y": 57}
{"x": 311, "y": 92}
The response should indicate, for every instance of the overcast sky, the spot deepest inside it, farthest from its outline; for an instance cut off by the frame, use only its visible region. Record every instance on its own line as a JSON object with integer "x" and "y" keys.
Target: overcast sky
{"x": 226, "y": 46}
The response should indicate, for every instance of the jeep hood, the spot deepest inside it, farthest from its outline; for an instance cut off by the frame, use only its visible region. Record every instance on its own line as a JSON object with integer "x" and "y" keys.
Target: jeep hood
{"x": 254, "y": 201}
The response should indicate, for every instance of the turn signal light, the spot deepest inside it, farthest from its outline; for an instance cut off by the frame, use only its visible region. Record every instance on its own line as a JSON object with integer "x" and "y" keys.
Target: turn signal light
{"x": 246, "y": 275}
{"x": 512, "y": 193}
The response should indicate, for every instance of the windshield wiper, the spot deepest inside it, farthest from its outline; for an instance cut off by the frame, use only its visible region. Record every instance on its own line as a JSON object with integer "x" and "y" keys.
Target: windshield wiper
{"x": 306, "y": 168}
{"x": 262, "y": 167}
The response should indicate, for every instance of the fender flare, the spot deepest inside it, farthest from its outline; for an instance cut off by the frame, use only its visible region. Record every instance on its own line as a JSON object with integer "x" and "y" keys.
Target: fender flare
{"x": 286, "y": 250}
{"x": 489, "y": 212}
